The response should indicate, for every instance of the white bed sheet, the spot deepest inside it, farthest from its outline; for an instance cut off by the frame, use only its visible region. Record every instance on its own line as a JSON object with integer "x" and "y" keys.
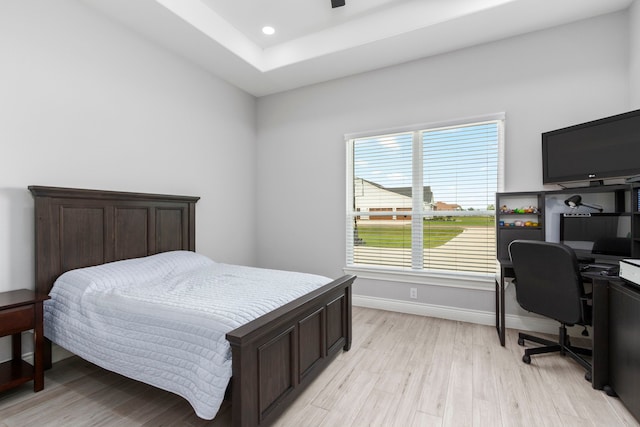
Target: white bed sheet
{"x": 162, "y": 319}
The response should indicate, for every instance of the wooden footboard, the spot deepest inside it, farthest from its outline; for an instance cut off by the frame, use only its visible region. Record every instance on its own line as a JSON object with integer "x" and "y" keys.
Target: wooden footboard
{"x": 277, "y": 355}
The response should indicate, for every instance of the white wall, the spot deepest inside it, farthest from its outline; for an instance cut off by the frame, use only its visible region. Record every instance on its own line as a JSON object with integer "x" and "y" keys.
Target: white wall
{"x": 634, "y": 54}
{"x": 86, "y": 103}
{"x": 542, "y": 81}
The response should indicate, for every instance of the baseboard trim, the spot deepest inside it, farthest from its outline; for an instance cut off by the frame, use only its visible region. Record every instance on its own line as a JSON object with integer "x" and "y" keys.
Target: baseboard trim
{"x": 524, "y": 323}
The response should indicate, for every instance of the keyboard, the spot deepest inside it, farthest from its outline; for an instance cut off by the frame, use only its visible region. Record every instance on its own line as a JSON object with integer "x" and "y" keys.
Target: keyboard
{"x": 602, "y": 268}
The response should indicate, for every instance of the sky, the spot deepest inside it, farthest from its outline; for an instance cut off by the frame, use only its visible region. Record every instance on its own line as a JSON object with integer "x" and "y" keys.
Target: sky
{"x": 460, "y": 163}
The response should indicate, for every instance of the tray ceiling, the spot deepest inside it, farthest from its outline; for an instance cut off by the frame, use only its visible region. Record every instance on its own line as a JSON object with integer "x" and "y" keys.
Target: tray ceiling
{"x": 314, "y": 42}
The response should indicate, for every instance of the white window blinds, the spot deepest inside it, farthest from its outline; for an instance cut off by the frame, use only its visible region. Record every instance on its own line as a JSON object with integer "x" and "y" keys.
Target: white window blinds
{"x": 422, "y": 200}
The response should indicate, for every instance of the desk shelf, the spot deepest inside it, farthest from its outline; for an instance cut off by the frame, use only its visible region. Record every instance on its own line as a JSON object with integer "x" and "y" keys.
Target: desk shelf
{"x": 625, "y": 201}
{"x": 505, "y": 234}
{"x": 527, "y": 227}
{"x": 538, "y": 214}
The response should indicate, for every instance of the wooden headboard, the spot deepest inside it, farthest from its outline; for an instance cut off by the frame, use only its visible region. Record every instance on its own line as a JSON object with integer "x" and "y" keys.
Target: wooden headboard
{"x": 79, "y": 228}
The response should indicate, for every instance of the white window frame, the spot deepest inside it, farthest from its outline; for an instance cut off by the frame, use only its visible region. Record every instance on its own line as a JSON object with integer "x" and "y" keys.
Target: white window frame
{"x": 449, "y": 279}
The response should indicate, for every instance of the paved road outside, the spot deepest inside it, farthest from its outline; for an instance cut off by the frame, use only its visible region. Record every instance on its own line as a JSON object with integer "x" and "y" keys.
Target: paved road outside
{"x": 465, "y": 252}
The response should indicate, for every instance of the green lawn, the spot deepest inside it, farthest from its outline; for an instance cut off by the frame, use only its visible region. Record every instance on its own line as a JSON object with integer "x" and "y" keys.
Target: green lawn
{"x": 436, "y": 231}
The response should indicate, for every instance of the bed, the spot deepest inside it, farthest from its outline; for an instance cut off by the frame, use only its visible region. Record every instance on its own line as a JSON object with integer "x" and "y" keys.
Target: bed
{"x": 274, "y": 357}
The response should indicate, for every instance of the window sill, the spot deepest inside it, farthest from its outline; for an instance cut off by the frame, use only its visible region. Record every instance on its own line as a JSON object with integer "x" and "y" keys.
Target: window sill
{"x": 476, "y": 281}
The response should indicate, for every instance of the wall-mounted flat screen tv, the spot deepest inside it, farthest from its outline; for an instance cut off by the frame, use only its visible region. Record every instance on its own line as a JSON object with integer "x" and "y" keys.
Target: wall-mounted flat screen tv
{"x": 592, "y": 151}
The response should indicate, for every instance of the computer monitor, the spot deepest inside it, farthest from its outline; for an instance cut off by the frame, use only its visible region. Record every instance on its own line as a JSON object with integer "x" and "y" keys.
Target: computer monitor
{"x": 597, "y": 235}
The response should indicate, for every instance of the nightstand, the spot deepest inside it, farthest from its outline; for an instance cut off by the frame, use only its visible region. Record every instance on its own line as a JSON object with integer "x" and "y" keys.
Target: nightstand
{"x": 21, "y": 311}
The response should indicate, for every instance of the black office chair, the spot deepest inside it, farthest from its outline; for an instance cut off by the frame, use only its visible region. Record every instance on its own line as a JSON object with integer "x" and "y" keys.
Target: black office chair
{"x": 548, "y": 282}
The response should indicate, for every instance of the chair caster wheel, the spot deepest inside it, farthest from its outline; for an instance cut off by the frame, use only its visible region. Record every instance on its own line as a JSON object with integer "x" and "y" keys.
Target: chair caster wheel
{"x": 607, "y": 389}
{"x": 521, "y": 341}
{"x": 587, "y": 376}
{"x": 526, "y": 359}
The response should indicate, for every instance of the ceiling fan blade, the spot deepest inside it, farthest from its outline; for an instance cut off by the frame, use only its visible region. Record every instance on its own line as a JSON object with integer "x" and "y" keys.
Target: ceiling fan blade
{"x": 337, "y": 3}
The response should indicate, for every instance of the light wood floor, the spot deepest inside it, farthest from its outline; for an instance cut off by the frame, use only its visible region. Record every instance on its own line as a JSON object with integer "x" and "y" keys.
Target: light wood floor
{"x": 402, "y": 370}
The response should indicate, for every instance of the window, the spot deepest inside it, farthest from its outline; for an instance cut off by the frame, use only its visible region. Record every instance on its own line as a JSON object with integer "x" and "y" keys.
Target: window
{"x": 421, "y": 200}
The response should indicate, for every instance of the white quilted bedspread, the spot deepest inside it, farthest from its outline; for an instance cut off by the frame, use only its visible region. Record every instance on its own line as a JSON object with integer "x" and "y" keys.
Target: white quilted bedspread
{"x": 162, "y": 319}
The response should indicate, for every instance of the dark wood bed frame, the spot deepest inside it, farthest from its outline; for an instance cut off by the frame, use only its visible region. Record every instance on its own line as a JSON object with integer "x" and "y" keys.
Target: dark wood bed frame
{"x": 274, "y": 357}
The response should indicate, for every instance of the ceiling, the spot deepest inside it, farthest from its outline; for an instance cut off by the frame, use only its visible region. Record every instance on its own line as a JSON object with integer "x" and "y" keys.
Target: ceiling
{"x": 314, "y": 42}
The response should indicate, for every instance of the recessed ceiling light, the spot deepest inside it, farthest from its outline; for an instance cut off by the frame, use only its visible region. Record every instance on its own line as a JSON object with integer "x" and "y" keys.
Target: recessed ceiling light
{"x": 268, "y": 30}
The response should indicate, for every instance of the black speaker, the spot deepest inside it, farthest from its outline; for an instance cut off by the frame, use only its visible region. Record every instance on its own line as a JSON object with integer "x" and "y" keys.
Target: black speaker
{"x": 337, "y": 3}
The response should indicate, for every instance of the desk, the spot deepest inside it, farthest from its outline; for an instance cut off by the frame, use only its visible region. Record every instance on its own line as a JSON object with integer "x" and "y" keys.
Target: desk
{"x": 616, "y": 341}
{"x": 507, "y": 272}
{"x": 615, "y": 364}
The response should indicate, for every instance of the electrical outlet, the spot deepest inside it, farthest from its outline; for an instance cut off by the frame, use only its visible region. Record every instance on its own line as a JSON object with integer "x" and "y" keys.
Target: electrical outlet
{"x": 413, "y": 293}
